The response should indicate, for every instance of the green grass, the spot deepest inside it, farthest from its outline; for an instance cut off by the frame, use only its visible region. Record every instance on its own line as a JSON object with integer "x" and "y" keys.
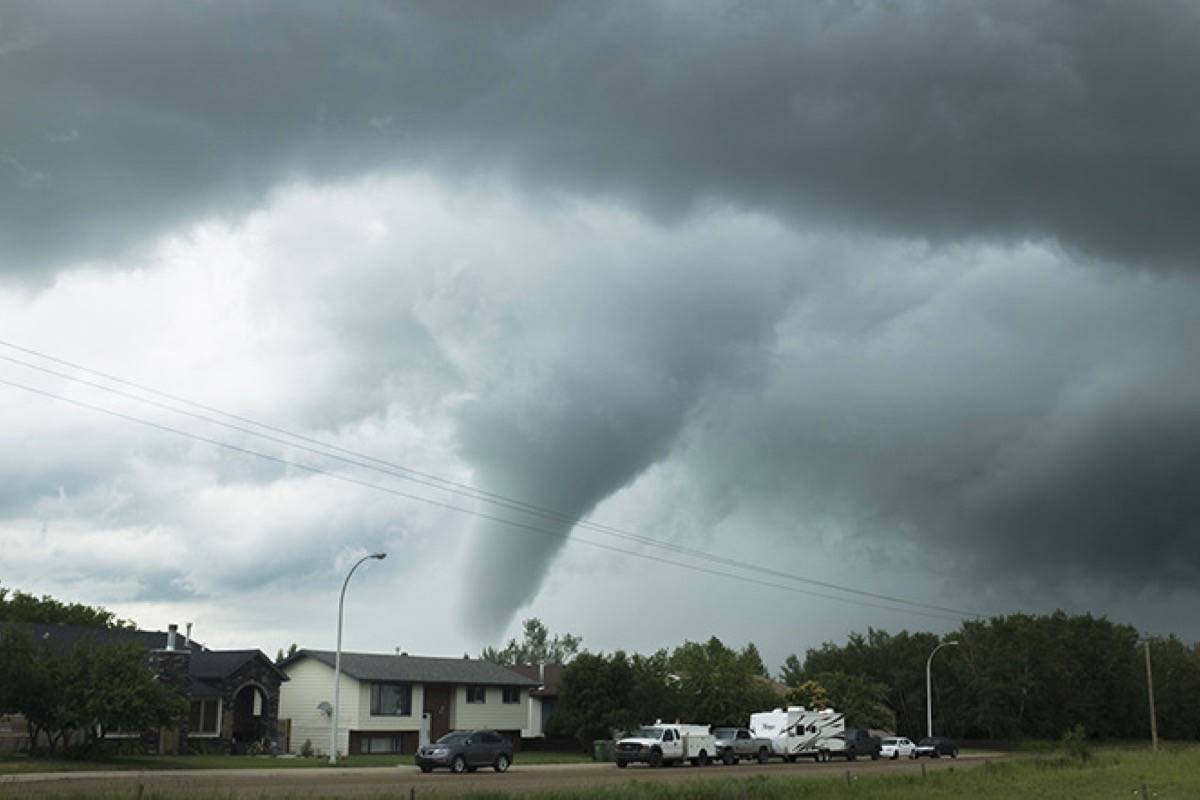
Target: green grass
{"x": 1109, "y": 774}
{"x": 10, "y": 764}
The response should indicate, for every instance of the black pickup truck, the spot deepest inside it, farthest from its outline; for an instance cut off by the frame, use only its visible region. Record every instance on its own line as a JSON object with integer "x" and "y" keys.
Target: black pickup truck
{"x": 853, "y": 743}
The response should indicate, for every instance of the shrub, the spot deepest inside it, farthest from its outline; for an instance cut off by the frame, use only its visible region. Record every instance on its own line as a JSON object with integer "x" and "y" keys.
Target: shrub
{"x": 1075, "y": 743}
{"x": 306, "y": 749}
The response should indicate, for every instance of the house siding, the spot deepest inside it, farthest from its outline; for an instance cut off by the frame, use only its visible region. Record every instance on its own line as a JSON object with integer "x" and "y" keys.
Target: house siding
{"x": 491, "y": 714}
{"x": 311, "y": 683}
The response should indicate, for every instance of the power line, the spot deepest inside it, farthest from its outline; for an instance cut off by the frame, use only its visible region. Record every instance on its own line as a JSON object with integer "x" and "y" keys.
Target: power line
{"x": 462, "y": 489}
{"x": 450, "y": 506}
{"x": 427, "y": 479}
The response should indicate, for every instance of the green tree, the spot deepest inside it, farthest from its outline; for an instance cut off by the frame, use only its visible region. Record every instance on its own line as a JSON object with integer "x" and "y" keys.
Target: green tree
{"x": 17, "y": 606}
{"x": 535, "y": 647}
{"x": 810, "y": 694}
{"x": 281, "y": 656}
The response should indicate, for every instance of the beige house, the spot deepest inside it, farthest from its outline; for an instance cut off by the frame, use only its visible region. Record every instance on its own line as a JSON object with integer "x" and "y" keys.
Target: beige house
{"x": 395, "y": 703}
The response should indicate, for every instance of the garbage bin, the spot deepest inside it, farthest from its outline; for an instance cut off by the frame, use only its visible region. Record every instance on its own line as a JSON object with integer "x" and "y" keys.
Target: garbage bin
{"x": 602, "y": 750}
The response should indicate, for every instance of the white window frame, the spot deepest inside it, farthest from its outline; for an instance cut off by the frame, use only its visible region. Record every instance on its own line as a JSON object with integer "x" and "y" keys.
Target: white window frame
{"x": 504, "y": 690}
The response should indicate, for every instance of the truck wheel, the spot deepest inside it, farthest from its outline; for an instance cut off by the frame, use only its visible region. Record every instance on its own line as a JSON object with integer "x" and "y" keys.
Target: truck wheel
{"x": 459, "y": 765}
{"x": 852, "y": 756}
{"x": 501, "y": 763}
{"x": 703, "y": 758}
{"x": 875, "y": 756}
{"x": 655, "y": 759}
{"x": 763, "y": 755}
{"x": 790, "y": 759}
{"x": 727, "y": 758}
{"x": 622, "y": 764}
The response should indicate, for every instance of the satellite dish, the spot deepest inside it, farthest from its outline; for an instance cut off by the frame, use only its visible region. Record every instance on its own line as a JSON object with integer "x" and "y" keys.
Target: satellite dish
{"x": 325, "y": 708}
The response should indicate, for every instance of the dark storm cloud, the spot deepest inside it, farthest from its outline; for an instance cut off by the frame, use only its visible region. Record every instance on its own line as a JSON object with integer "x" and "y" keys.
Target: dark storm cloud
{"x": 1007, "y": 121}
{"x": 1029, "y": 425}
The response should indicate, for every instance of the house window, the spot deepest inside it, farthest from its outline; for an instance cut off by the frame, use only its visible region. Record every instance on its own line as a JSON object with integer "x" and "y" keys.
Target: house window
{"x": 381, "y": 744}
{"x": 391, "y": 700}
{"x": 512, "y": 694}
{"x": 476, "y": 694}
{"x": 205, "y": 718}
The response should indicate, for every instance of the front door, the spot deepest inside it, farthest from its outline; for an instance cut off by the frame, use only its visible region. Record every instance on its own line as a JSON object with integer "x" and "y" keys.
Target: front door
{"x": 437, "y": 706}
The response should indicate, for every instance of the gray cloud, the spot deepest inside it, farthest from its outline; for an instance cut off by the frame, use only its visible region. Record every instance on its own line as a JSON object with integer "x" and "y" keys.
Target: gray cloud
{"x": 1028, "y": 425}
{"x": 1005, "y": 121}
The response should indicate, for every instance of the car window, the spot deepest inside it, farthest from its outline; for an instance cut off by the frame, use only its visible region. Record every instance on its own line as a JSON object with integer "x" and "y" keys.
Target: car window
{"x": 743, "y": 734}
{"x": 668, "y": 736}
{"x": 490, "y": 738}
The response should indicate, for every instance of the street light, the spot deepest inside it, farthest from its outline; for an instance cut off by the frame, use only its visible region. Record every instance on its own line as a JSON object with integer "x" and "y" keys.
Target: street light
{"x": 1150, "y": 690}
{"x": 929, "y": 687}
{"x": 337, "y": 659}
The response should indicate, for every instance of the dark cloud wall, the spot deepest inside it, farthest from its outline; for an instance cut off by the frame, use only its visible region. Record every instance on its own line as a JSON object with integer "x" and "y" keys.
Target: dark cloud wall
{"x": 1003, "y": 121}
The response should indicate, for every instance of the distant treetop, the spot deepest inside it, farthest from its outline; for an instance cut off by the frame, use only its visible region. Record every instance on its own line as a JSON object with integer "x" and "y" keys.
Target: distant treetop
{"x": 17, "y": 606}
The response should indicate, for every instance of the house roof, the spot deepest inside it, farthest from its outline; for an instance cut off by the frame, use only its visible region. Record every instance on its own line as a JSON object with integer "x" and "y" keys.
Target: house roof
{"x": 63, "y": 638}
{"x": 548, "y": 675}
{"x": 416, "y": 669}
{"x": 204, "y": 665}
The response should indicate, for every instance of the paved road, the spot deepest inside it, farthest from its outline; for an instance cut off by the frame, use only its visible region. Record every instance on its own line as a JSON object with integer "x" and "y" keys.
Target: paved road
{"x": 400, "y": 781}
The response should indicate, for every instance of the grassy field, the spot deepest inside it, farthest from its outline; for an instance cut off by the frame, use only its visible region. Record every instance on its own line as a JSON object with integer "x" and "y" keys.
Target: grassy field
{"x": 1174, "y": 773}
{"x": 10, "y": 765}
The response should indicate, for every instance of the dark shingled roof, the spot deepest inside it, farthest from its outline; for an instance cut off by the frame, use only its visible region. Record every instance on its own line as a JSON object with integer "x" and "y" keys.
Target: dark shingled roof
{"x": 63, "y": 638}
{"x": 417, "y": 669}
{"x": 203, "y": 666}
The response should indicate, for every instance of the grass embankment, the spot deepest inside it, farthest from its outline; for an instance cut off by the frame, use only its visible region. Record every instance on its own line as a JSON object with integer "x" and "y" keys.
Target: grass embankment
{"x": 11, "y": 765}
{"x": 1174, "y": 773}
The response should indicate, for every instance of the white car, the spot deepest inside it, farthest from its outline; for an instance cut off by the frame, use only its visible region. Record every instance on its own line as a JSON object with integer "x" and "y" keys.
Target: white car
{"x": 896, "y": 747}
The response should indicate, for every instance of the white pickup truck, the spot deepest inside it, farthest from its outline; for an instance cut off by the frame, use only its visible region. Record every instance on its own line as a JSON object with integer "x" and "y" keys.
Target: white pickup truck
{"x": 666, "y": 743}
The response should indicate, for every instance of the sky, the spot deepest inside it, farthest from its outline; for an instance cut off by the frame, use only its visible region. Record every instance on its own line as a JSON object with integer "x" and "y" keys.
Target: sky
{"x": 656, "y": 321}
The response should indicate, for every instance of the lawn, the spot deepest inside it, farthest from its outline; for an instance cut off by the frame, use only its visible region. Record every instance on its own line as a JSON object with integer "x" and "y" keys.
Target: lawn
{"x": 10, "y": 764}
{"x": 1108, "y": 774}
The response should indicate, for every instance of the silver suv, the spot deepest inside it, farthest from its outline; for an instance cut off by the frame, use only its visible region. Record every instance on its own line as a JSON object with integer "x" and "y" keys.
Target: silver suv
{"x": 466, "y": 751}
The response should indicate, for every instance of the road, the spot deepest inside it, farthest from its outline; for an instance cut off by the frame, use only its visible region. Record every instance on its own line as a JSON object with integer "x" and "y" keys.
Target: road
{"x": 406, "y": 781}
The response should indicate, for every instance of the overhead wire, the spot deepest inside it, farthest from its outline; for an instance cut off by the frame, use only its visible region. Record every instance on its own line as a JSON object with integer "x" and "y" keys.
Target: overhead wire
{"x": 452, "y": 507}
{"x": 426, "y": 479}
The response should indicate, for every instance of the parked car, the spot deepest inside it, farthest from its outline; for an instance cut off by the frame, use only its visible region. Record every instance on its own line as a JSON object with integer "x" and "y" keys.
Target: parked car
{"x": 852, "y": 743}
{"x": 466, "y": 751}
{"x": 897, "y": 746}
{"x": 734, "y": 744}
{"x": 936, "y": 747}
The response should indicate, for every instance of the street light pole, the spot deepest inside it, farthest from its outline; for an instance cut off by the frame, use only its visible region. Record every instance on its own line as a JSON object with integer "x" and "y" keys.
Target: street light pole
{"x": 929, "y": 687}
{"x": 337, "y": 659}
{"x": 1150, "y": 689}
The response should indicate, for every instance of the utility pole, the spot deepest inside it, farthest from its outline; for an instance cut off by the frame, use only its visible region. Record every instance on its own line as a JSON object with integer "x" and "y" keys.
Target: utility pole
{"x": 1150, "y": 690}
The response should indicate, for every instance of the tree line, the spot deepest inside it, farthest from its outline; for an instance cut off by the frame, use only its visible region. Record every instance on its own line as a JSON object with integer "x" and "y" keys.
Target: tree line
{"x": 1007, "y": 678}
{"x": 1021, "y": 676}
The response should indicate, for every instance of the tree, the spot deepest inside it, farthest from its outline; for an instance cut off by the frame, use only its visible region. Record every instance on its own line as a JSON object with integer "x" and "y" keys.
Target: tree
{"x": 536, "y": 647}
{"x": 810, "y": 694}
{"x": 17, "y": 606}
{"x": 93, "y": 689}
{"x": 281, "y": 656}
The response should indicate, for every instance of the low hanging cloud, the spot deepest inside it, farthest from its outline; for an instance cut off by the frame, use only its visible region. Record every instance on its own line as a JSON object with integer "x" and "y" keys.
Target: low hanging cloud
{"x": 999, "y": 122}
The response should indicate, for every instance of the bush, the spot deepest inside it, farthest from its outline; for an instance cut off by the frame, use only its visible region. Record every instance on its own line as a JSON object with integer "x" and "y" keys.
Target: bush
{"x": 306, "y": 749}
{"x": 1075, "y": 743}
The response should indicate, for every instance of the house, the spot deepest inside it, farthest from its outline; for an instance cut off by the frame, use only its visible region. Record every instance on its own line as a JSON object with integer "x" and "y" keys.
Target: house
{"x": 395, "y": 703}
{"x": 233, "y": 694}
{"x": 543, "y": 699}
